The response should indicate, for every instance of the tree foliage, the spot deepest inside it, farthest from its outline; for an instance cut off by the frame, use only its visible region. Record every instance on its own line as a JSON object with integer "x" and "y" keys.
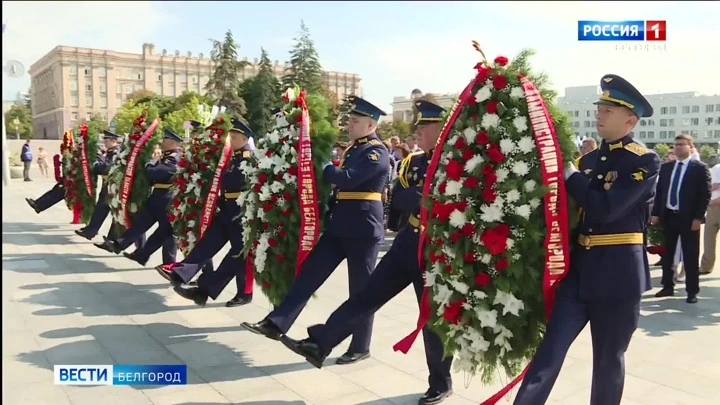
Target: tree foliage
{"x": 224, "y": 84}
{"x": 662, "y": 149}
{"x": 19, "y": 114}
{"x": 305, "y": 69}
{"x": 175, "y": 121}
{"x": 401, "y": 129}
{"x": 262, "y": 94}
{"x": 706, "y": 152}
{"x": 96, "y": 123}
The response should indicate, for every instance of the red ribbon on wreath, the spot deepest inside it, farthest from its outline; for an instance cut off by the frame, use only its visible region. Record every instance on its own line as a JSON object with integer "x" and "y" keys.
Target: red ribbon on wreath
{"x": 129, "y": 178}
{"x": 84, "y": 163}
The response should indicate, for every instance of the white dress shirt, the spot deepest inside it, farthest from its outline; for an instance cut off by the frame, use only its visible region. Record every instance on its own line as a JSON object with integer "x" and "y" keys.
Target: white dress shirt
{"x": 715, "y": 173}
{"x": 685, "y": 162}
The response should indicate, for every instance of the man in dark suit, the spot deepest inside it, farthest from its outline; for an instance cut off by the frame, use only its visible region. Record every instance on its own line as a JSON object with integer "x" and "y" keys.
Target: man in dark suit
{"x": 681, "y": 199}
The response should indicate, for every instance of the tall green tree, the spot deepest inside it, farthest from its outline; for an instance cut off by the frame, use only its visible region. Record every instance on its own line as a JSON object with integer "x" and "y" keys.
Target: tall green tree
{"x": 401, "y": 129}
{"x": 304, "y": 68}
{"x": 343, "y": 115}
{"x": 662, "y": 149}
{"x": 224, "y": 83}
{"x": 261, "y": 93}
{"x": 18, "y": 121}
{"x": 97, "y": 122}
{"x": 175, "y": 121}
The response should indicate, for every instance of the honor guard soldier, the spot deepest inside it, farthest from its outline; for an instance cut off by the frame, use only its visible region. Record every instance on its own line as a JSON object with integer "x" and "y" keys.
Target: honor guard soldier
{"x": 354, "y": 231}
{"x": 608, "y": 265}
{"x": 396, "y": 270}
{"x": 55, "y": 194}
{"x": 225, "y": 226}
{"x": 160, "y": 173}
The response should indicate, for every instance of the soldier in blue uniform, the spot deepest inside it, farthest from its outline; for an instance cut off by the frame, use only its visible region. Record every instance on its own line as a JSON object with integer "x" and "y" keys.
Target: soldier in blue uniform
{"x": 354, "y": 231}
{"x": 396, "y": 270}
{"x": 225, "y": 227}
{"x": 160, "y": 173}
{"x": 608, "y": 264}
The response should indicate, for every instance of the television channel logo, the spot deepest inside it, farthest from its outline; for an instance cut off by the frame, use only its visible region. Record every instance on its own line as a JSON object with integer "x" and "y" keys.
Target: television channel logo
{"x": 636, "y": 30}
{"x": 120, "y": 374}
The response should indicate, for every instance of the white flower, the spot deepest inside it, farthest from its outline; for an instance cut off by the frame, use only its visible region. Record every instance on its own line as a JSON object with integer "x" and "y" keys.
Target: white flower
{"x": 479, "y": 294}
{"x": 509, "y": 243}
{"x": 491, "y": 213}
{"x": 290, "y": 94}
{"x": 457, "y": 219}
{"x": 473, "y": 162}
{"x": 490, "y": 121}
{"x": 459, "y": 286}
{"x": 526, "y": 144}
{"x": 483, "y": 94}
{"x": 501, "y": 174}
{"x": 453, "y": 187}
{"x": 520, "y": 123}
{"x": 276, "y": 187}
{"x": 512, "y": 196}
{"x": 521, "y": 168}
{"x": 431, "y": 275}
{"x": 281, "y": 122}
{"x": 534, "y": 203}
{"x": 442, "y": 296}
{"x": 517, "y": 92}
{"x": 509, "y": 303}
{"x": 523, "y": 211}
{"x": 469, "y": 134}
{"x": 133, "y": 207}
{"x": 530, "y": 185}
{"x": 507, "y": 146}
{"x": 488, "y": 319}
{"x": 486, "y": 258}
{"x": 289, "y": 178}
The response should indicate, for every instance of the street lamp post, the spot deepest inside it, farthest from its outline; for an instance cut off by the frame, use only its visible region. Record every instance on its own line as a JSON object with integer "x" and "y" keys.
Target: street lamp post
{"x": 16, "y": 123}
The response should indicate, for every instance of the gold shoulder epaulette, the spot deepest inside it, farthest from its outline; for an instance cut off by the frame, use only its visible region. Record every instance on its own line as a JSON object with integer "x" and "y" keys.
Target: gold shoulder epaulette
{"x": 246, "y": 154}
{"x": 637, "y": 149}
{"x": 577, "y": 161}
{"x": 375, "y": 142}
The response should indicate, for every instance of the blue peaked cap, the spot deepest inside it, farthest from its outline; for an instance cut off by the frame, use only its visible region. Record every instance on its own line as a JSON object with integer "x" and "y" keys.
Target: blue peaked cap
{"x": 195, "y": 124}
{"x": 428, "y": 112}
{"x": 109, "y": 135}
{"x": 171, "y": 135}
{"x": 619, "y": 92}
{"x": 242, "y": 128}
{"x": 363, "y": 107}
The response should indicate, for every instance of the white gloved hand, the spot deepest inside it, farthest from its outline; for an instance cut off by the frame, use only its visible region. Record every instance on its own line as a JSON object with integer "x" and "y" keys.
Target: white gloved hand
{"x": 326, "y": 164}
{"x": 570, "y": 170}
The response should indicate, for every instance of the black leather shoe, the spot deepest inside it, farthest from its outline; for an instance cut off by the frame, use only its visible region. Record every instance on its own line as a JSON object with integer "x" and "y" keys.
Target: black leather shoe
{"x": 132, "y": 256}
{"x": 691, "y": 299}
{"x": 305, "y": 348}
{"x": 192, "y": 293}
{"x": 83, "y": 234}
{"x": 239, "y": 300}
{"x": 665, "y": 292}
{"x": 104, "y": 246}
{"x": 265, "y": 328}
{"x": 350, "y": 358}
{"x": 114, "y": 245}
{"x": 32, "y": 204}
{"x": 432, "y": 397}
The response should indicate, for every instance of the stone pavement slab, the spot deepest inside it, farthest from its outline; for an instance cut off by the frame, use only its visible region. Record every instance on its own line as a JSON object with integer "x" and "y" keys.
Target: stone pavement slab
{"x": 65, "y": 301}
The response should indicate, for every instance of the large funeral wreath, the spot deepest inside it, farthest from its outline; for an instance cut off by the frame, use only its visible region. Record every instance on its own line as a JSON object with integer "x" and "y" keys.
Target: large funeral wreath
{"x": 80, "y": 182}
{"x": 272, "y": 214}
{"x": 128, "y": 170}
{"x": 67, "y": 148}
{"x": 486, "y": 225}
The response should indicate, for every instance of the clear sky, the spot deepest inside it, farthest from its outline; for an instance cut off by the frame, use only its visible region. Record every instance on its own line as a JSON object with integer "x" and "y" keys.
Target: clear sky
{"x": 394, "y": 46}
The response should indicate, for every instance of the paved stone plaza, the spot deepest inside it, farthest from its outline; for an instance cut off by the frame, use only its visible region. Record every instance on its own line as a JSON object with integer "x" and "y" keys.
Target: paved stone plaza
{"x": 68, "y": 302}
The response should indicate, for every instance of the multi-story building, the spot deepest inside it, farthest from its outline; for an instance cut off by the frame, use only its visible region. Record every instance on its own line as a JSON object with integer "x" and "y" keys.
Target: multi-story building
{"x": 402, "y": 107}
{"x": 674, "y": 114}
{"x": 70, "y": 84}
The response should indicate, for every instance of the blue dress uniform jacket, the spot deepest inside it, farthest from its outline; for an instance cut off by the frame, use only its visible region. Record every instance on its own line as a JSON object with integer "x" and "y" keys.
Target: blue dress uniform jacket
{"x": 354, "y": 232}
{"x": 225, "y": 227}
{"x": 608, "y": 270}
{"x": 101, "y": 167}
{"x": 160, "y": 175}
{"x": 396, "y": 270}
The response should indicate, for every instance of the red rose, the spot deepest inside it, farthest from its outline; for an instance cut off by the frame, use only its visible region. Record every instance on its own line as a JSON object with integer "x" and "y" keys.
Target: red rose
{"x": 471, "y": 101}
{"x": 501, "y": 61}
{"x": 285, "y": 212}
{"x": 218, "y": 140}
{"x": 448, "y": 268}
{"x": 470, "y": 182}
{"x": 468, "y": 229}
{"x": 183, "y": 163}
{"x": 267, "y": 207}
{"x": 293, "y": 170}
{"x": 483, "y": 73}
{"x": 503, "y": 230}
{"x": 501, "y": 264}
{"x": 203, "y": 166}
{"x": 467, "y": 154}
{"x": 468, "y": 257}
{"x": 268, "y": 153}
{"x": 282, "y": 233}
{"x": 482, "y": 279}
{"x": 287, "y": 196}
{"x": 452, "y": 311}
{"x": 265, "y": 226}
{"x": 488, "y": 169}
{"x": 495, "y": 154}
{"x": 494, "y": 240}
{"x": 278, "y": 176}
{"x": 499, "y": 82}
{"x": 220, "y": 120}
{"x": 257, "y": 187}
{"x": 273, "y": 198}
{"x": 256, "y": 243}
{"x": 490, "y": 179}
{"x": 272, "y": 242}
{"x": 434, "y": 258}
{"x": 262, "y": 178}
{"x": 442, "y": 187}
{"x": 439, "y": 242}
{"x": 491, "y": 106}
{"x": 460, "y": 143}
{"x": 213, "y": 149}
{"x": 453, "y": 170}
{"x": 482, "y": 138}
{"x": 455, "y": 236}
{"x": 298, "y": 118}
{"x": 489, "y": 195}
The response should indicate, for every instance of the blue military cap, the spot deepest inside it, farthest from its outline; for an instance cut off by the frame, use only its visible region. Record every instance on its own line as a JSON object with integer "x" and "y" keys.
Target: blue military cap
{"x": 428, "y": 112}
{"x": 195, "y": 124}
{"x": 363, "y": 107}
{"x": 619, "y": 92}
{"x": 242, "y": 128}
{"x": 109, "y": 135}
{"x": 275, "y": 111}
{"x": 171, "y": 135}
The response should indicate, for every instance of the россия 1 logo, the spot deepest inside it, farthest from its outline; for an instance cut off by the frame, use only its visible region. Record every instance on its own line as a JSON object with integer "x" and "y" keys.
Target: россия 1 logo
{"x": 639, "y": 30}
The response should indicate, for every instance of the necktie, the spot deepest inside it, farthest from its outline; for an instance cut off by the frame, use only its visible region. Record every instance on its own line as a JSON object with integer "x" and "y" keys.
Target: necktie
{"x": 675, "y": 185}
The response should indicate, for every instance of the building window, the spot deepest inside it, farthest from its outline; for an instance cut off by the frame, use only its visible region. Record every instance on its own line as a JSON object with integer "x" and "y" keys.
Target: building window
{"x": 671, "y": 134}
{"x": 651, "y": 134}
{"x": 73, "y": 85}
{"x": 642, "y": 123}
{"x": 685, "y": 122}
{"x": 74, "y": 116}
{"x": 88, "y": 71}
{"x": 587, "y": 124}
{"x": 103, "y": 102}
{"x": 139, "y": 75}
{"x": 663, "y": 134}
{"x": 695, "y": 109}
{"x": 129, "y": 75}
{"x": 73, "y": 70}
{"x": 128, "y": 89}
{"x": 117, "y": 73}
{"x": 74, "y": 101}
{"x": 694, "y": 121}
{"x": 663, "y": 110}
{"x": 716, "y": 133}
{"x": 651, "y": 123}
{"x": 118, "y": 102}
{"x": 102, "y": 72}
{"x": 642, "y": 135}
{"x": 709, "y": 108}
{"x": 708, "y": 134}
{"x": 139, "y": 87}
{"x": 103, "y": 88}
{"x": 88, "y": 86}
{"x": 118, "y": 88}
{"x": 686, "y": 109}
{"x": 671, "y": 122}
{"x": 88, "y": 116}
{"x": 88, "y": 101}
{"x": 717, "y": 107}
{"x": 663, "y": 123}
{"x": 194, "y": 80}
{"x": 159, "y": 77}
{"x": 673, "y": 110}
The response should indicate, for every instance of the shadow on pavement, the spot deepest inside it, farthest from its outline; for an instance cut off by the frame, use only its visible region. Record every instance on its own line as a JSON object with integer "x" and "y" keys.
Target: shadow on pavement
{"x": 60, "y": 264}
{"x": 673, "y": 314}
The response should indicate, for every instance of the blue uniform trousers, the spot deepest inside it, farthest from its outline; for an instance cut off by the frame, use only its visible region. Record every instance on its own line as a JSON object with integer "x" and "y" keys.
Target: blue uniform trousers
{"x": 112, "y": 234}
{"x": 101, "y": 211}
{"x": 154, "y": 211}
{"x": 224, "y": 228}
{"x": 162, "y": 237}
{"x": 396, "y": 270}
{"x": 330, "y": 251}
{"x": 612, "y": 324}
{"x": 52, "y": 197}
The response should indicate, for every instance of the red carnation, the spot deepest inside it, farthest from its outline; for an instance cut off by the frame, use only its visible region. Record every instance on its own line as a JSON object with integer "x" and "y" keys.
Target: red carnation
{"x": 453, "y": 170}
{"x": 482, "y": 138}
{"x": 482, "y": 279}
{"x": 285, "y": 212}
{"x": 214, "y": 149}
{"x": 499, "y": 82}
{"x": 218, "y": 140}
{"x": 483, "y": 73}
{"x": 460, "y": 143}
{"x": 257, "y": 187}
{"x": 268, "y": 153}
{"x": 501, "y": 264}
{"x": 282, "y": 233}
{"x": 219, "y": 131}
{"x": 220, "y": 120}
{"x": 442, "y": 187}
{"x": 488, "y": 169}
{"x": 470, "y": 182}
{"x": 293, "y": 170}
{"x": 267, "y": 207}
{"x": 448, "y": 268}
{"x": 262, "y": 178}
{"x": 489, "y": 195}
{"x": 501, "y": 61}
{"x": 495, "y": 240}
{"x": 278, "y": 176}
{"x": 491, "y": 106}
{"x": 452, "y": 311}
{"x": 272, "y": 242}
{"x": 467, "y": 154}
{"x": 273, "y": 198}
{"x": 203, "y": 166}
{"x": 468, "y": 257}
{"x": 495, "y": 154}
{"x": 490, "y": 179}
{"x": 265, "y": 226}
{"x": 287, "y": 196}
{"x": 468, "y": 229}
{"x": 455, "y": 236}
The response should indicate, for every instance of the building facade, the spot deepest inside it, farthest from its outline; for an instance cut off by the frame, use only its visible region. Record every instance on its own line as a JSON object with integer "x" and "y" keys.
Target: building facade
{"x": 674, "y": 114}
{"x": 71, "y": 84}
{"x": 402, "y": 107}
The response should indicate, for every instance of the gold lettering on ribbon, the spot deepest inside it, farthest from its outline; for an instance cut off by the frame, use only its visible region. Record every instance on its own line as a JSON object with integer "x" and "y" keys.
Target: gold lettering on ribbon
{"x": 208, "y": 210}
{"x": 307, "y": 192}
